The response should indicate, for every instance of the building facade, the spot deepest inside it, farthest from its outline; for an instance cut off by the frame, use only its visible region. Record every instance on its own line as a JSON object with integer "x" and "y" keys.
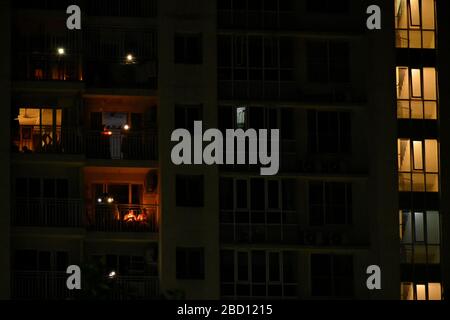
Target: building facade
{"x": 88, "y": 177}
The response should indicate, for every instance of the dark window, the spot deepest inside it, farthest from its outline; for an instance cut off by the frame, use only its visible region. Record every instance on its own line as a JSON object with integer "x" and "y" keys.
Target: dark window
{"x": 273, "y": 194}
{"x": 258, "y": 194}
{"x": 189, "y": 191}
{"x": 96, "y": 121}
{"x": 137, "y": 121}
{"x": 45, "y": 261}
{"x": 119, "y": 192}
{"x": 288, "y": 194}
{"x": 259, "y": 273}
{"x": 259, "y": 266}
{"x": 287, "y": 124}
{"x": 225, "y": 118}
{"x": 34, "y": 188}
{"x": 328, "y": 6}
{"x": 329, "y": 132}
{"x": 328, "y": 61}
{"x": 190, "y": 263}
{"x": 21, "y": 187}
{"x": 226, "y": 193}
{"x": 331, "y": 275}
{"x": 62, "y": 188}
{"x": 227, "y": 266}
{"x": 62, "y": 261}
{"x": 25, "y": 260}
{"x": 56, "y": 188}
{"x": 241, "y": 194}
{"x": 188, "y": 49}
{"x": 330, "y": 203}
{"x": 185, "y": 115}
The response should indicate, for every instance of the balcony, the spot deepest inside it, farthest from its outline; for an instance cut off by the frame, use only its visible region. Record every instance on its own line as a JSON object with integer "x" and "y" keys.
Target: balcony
{"x": 48, "y": 140}
{"x": 135, "y": 288}
{"x": 95, "y": 145}
{"x": 35, "y": 285}
{"x": 289, "y": 233}
{"x": 40, "y": 212}
{"x": 271, "y": 90}
{"x": 47, "y": 67}
{"x": 118, "y": 146}
{"x": 123, "y": 218}
{"x": 115, "y": 75}
{"x": 68, "y": 213}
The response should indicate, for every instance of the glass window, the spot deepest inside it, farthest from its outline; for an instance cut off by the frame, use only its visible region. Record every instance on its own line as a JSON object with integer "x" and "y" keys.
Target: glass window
{"x": 415, "y": 23}
{"x": 421, "y": 291}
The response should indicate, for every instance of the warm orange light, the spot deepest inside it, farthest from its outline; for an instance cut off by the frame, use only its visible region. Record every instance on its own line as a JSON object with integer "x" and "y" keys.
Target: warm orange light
{"x": 107, "y": 133}
{"x": 142, "y": 217}
{"x": 130, "y": 217}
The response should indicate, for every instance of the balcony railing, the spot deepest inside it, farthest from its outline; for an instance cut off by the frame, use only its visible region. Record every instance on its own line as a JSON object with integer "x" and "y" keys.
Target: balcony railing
{"x": 40, "y": 212}
{"x": 49, "y": 140}
{"x": 278, "y": 90}
{"x": 124, "y": 218}
{"x": 35, "y": 285}
{"x": 47, "y": 67}
{"x": 287, "y": 234}
{"x": 118, "y": 146}
{"x": 96, "y": 145}
{"x": 135, "y": 287}
{"x": 50, "y": 285}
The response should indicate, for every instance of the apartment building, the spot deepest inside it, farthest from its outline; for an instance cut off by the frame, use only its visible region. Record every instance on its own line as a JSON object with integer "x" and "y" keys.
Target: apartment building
{"x": 84, "y": 150}
{"x": 88, "y": 178}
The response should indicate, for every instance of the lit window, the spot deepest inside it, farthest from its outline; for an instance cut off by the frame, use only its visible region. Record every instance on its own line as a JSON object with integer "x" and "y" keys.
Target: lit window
{"x": 418, "y": 156}
{"x": 416, "y": 93}
{"x": 418, "y": 165}
{"x": 240, "y": 117}
{"x": 39, "y": 129}
{"x": 416, "y": 83}
{"x": 421, "y": 291}
{"x": 415, "y": 23}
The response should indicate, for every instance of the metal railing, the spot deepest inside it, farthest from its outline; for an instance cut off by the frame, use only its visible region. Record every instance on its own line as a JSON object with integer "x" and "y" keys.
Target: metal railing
{"x": 44, "y": 212}
{"x": 124, "y": 218}
{"x": 51, "y": 285}
{"x": 134, "y": 146}
{"x": 49, "y": 140}
{"x": 40, "y": 285}
{"x": 58, "y": 140}
{"x": 135, "y": 287}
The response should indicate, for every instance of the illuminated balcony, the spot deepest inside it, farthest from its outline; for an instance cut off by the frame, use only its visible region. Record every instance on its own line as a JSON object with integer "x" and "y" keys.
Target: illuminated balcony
{"x": 123, "y": 218}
